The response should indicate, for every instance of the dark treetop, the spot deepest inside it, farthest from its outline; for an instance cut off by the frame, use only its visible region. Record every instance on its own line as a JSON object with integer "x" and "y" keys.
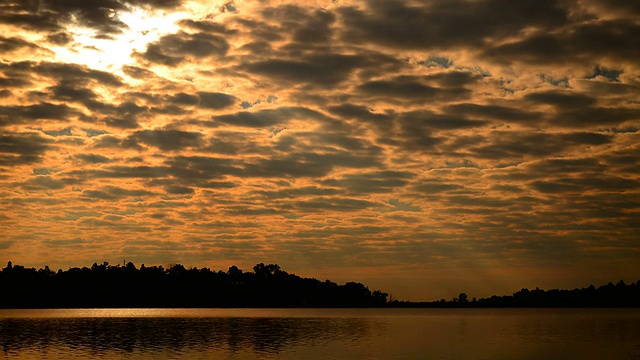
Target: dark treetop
{"x": 267, "y": 286}
{"x": 127, "y": 286}
{"x": 619, "y": 295}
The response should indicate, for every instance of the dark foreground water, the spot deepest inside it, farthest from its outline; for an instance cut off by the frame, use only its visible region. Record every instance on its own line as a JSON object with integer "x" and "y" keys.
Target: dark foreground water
{"x": 321, "y": 334}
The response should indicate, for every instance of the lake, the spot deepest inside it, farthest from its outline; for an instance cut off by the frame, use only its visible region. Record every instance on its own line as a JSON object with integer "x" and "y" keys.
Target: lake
{"x": 321, "y": 334}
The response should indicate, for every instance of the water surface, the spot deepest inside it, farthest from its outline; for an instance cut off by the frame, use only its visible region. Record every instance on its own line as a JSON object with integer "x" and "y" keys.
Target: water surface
{"x": 321, "y": 333}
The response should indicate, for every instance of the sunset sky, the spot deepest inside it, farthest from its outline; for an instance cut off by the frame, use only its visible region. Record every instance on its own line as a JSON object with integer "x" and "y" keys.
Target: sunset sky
{"x": 424, "y": 148}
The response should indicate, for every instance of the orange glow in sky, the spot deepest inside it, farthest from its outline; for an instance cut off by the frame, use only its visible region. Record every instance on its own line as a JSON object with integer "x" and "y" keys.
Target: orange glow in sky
{"x": 424, "y": 148}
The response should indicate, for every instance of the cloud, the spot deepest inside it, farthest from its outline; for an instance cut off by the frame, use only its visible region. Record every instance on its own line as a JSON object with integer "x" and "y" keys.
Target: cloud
{"x": 210, "y": 100}
{"x": 71, "y": 73}
{"x": 8, "y": 44}
{"x": 112, "y": 193}
{"x": 321, "y": 70}
{"x": 23, "y": 114}
{"x": 93, "y": 158}
{"x": 52, "y": 16}
{"x": 173, "y": 49}
{"x": 268, "y": 118}
{"x": 372, "y": 182}
{"x": 168, "y": 140}
{"x": 489, "y": 140}
{"x": 400, "y": 25}
{"x": 5, "y": 244}
{"x": 22, "y": 148}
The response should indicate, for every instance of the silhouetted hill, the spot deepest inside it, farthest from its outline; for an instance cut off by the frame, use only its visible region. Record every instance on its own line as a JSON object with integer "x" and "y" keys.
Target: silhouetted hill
{"x": 104, "y": 286}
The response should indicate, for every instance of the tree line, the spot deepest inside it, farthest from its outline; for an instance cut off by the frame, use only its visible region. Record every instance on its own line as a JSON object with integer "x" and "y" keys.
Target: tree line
{"x": 117, "y": 286}
{"x": 609, "y": 295}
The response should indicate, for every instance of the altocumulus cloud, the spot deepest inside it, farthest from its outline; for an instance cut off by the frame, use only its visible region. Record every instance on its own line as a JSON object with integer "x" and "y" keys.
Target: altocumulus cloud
{"x": 400, "y": 142}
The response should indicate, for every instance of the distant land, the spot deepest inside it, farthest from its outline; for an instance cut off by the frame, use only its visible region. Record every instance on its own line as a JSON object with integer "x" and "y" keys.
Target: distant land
{"x": 127, "y": 286}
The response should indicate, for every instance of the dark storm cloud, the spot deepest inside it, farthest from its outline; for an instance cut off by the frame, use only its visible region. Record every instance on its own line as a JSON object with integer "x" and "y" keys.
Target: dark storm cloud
{"x": 173, "y": 49}
{"x": 443, "y": 23}
{"x": 168, "y": 140}
{"x": 22, "y": 148}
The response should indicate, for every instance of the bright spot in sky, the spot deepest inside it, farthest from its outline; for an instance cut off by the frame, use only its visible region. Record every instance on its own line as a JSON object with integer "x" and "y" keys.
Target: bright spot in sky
{"x": 110, "y": 54}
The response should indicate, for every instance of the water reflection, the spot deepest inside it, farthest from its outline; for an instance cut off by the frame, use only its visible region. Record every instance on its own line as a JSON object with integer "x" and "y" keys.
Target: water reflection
{"x": 99, "y": 336}
{"x": 321, "y": 333}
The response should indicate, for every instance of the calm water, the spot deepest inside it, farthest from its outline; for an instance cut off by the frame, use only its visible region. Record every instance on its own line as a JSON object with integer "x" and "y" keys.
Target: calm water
{"x": 321, "y": 334}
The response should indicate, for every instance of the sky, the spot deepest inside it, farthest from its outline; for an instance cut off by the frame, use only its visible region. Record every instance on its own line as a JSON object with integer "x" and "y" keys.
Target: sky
{"x": 424, "y": 148}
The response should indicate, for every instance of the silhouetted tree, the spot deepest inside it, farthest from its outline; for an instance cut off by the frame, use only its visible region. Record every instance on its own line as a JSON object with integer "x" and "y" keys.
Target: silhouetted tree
{"x": 104, "y": 285}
